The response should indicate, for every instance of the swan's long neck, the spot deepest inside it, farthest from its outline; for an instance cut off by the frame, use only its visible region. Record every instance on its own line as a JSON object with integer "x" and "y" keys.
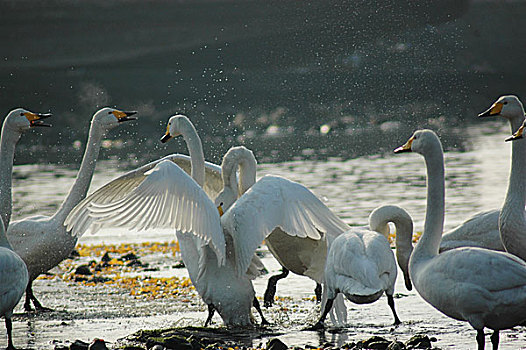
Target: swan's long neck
{"x": 8, "y": 142}
{"x": 87, "y": 167}
{"x": 429, "y": 243}
{"x": 242, "y": 159}
{"x": 4, "y": 242}
{"x": 195, "y": 148}
{"x": 516, "y": 194}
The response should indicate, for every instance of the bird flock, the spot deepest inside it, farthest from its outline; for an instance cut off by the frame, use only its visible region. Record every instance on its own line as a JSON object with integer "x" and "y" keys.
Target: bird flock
{"x": 222, "y": 213}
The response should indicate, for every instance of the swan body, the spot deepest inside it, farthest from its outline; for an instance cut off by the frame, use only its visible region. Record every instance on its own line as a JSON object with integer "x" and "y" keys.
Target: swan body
{"x": 361, "y": 264}
{"x": 483, "y": 287}
{"x": 43, "y": 241}
{"x": 512, "y": 220}
{"x": 162, "y": 194}
{"x": 15, "y": 124}
{"x": 481, "y": 230}
{"x": 13, "y": 282}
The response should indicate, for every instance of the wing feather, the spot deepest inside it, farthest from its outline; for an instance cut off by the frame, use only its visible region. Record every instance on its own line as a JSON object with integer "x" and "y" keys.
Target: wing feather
{"x": 79, "y": 220}
{"x": 276, "y": 202}
{"x": 166, "y": 189}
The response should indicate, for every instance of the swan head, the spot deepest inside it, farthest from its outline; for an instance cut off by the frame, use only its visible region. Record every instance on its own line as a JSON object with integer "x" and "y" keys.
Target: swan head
{"x": 508, "y": 106}
{"x": 175, "y": 126}
{"x": 111, "y": 117}
{"x": 225, "y": 199}
{"x": 21, "y": 120}
{"x": 422, "y": 141}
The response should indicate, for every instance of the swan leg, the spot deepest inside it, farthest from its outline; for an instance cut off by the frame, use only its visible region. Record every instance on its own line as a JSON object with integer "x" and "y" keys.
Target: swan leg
{"x": 319, "y": 325}
{"x": 390, "y": 302}
{"x": 255, "y": 303}
{"x": 480, "y": 339}
{"x": 211, "y": 310}
{"x": 495, "y": 339}
{"x": 317, "y": 292}
{"x": 9, "y": 327}
{"x": 268, "y": 298}
{"x": 31, "y": 297}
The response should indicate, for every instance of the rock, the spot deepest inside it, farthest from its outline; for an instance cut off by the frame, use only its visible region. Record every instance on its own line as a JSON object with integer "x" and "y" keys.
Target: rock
{"x": 78, "y": 345}
{"x": 98, "y": 344}
{"x": 105, "y": 257}
{"x": 396, "y": 345}
{"x": 179, "y": 265}
{"x": 129, "y": 256}
{"x": 419, "y": 342}
{"x": 83, "y": 270}
{"x": 276, "y": 344}
{"x": 136, "y": 263}
{"x": 157, "y": 347}
{"x": 375, "y": 342}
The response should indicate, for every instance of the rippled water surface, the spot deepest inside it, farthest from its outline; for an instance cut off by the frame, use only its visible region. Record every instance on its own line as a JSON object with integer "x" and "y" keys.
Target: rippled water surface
{"x": 476, "y": 180}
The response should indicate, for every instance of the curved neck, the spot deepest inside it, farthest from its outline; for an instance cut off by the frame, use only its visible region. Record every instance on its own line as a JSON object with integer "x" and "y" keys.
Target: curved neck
{"x": 195, "y": 148}
{"x": 87, "y": 167}
{"x": 242, "y": 159}
{"x": 434, "y": 221}
{"x": 8, "y": 142}
{"x": 516, "y": 193}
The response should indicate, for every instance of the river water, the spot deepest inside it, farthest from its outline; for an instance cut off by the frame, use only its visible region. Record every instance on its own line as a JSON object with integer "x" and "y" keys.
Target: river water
{"x": 476, "y": 180}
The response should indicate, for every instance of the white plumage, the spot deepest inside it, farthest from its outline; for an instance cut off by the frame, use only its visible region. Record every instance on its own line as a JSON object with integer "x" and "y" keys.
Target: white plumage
{"x": 13, "y": 282}
{"x": 483, "y": 287}
{"x": 161, "y": 195}
{"x": 43, "y": 241}
{"x": 17, "y": 122}
{"x": 361, "y": 263}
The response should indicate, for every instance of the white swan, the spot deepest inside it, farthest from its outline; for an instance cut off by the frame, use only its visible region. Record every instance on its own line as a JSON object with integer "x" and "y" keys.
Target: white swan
{"x": 13, "y": 282}
{"x": 17, "y": 122}
{"x": 483, "y": 287}
{"x": 43, "y": 241}
{"x": 361, "y": 264}
{"x": 303, "y": 254}
{"x": 484, "y": 230}
{"x": 512, "y": 220}
{"x": 165, "y": 196}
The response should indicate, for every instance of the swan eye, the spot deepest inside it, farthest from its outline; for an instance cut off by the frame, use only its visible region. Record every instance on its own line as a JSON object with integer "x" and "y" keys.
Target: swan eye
{"x": 110, "y": 112}
{"x": 21, "y": 114}
{"x": 221, "y": 204}
{"x": 505, "y": 102}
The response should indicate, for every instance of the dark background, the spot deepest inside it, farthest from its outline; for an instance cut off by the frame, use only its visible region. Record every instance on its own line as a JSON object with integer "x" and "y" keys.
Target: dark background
{"x": 236, "y": 67}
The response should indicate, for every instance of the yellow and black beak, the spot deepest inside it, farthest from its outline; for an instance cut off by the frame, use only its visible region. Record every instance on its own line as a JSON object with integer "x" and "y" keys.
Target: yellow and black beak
{"x": 35, "y": 119}
{"x": 493, "y": 110}
{"x": 518, "y": 134}
{"x": 220, "y": 209}
{"x": 123, "y": 116}
{"x": 406, "y": 147}
{"x": 167, "y": 135}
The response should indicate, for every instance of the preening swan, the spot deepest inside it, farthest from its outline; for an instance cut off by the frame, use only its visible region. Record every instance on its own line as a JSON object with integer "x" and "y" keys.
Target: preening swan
{"x": 483, "y": 287}
{"x": 304, "y": 254}
{"x": 43, "y": 241}
{"x": 165, "y": 196}
{"x": 512, "y": 222}
{"x": 13, "y": 282}
{"x": 361, "y": 264}
{"x": 17, "y": 121}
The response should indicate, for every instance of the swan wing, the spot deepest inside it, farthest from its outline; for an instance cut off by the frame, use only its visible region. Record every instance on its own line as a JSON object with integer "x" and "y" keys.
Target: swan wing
{"x": 480, "y": 230}
{"x": 276, "y": 202}
{"x": 167, "y": 198}
{"x": 79, "y": 220}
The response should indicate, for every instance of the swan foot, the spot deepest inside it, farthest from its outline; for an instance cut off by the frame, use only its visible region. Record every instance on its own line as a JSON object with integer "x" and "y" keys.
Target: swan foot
{"x": 480, "y": 339}
{"x": 30, "y": 297}
{"x": 495, "y": 339}
{"x": 268, "y": 298}
{"x": 317, "y": 292}
{"x": 9, "y": 327}
{"x": 318, "y": 326}
{"x": 390, "y": 301}
{"x": 211, "y": 310}
{"x": 255, "y": 303}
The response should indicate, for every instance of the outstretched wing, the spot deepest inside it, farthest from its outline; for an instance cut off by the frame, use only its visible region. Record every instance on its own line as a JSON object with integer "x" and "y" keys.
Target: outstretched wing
{"x": 167, "y": 198}
{"x": 79, "y": 220}
{"x": 276, "y": 202}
